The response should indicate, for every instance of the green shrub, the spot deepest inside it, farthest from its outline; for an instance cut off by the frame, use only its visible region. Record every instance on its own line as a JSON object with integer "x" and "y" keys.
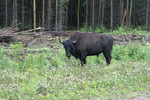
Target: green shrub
{"x": 90, "y": 29}
{"x": 102, "y": 29}
{"x": 5, "y": 62}
{"x": 17, "y": 48}
{"x": 83, "y": 29}
{"x": 135, "y": 52}
{"x": 119, "y": 52}
{"x": 121, "y": 30}
{"x": 125, "y": 30}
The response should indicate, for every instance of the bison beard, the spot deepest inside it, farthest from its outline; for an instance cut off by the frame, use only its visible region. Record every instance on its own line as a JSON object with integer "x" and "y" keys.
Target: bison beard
{"x": 82, "y": 45}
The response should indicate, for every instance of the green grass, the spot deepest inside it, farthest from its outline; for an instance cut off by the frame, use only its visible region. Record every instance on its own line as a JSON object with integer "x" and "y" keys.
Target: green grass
{"x": 131, "y": 31}
{"x": 49, "y": 74}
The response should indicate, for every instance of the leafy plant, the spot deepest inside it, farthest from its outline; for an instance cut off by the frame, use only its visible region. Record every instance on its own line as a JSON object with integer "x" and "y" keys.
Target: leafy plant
{"x": 135, "y": 51}
{"x": 119, "y": 52}
{"x": 17, "y": 48}
{"x": 90, "y": 29}
{"x": 83, "y": 29}
{"x": 102, "y": 29}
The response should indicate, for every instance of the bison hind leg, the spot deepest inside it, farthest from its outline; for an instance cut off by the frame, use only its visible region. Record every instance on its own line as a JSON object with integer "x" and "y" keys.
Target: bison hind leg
{"x": 107, "y": 55}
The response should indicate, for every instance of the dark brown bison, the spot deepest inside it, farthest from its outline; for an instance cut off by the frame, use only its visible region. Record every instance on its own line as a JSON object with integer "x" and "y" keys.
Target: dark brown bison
{"x": 81, "y": 45}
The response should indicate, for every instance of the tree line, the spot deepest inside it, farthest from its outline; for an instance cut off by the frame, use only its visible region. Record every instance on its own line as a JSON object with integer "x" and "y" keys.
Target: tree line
{"x": 58, "y": 15}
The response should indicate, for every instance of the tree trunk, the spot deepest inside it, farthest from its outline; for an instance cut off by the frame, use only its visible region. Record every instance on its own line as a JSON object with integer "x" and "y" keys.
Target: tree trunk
{"x": 111, "y": 21}
{"x": 93, "y": 28}
{"x": 34, "y": 11}
{"x": 43, "y": 25}
{"x": 103, "y": 12}
{"x": 56, "y": 14}
{"x": 147, "y": 28}
{"x": 13, "y": 13}
{"x": 91, "y": 11}
{"x": 6, "y": 10}
{"x": 99, "y": 14}
{"x": 123, "y": 18}
{"x": 60, "y": 16}
{"x": 31, "y": 15}
{"x": 71, "y": 11}
{"x": 133, "y": 12}
{"x": 49, "y": 14}
{"x": 78, "y": 14}
{"x": 22, "y": 15}
{"x": 130, "y": 13}
{"x": 120, "y": 17}
{"x": 86, "y": 15}
{"x": 67, "y": 16}
{"x": 16, "y": 4}
{"x": 127, "y": 13}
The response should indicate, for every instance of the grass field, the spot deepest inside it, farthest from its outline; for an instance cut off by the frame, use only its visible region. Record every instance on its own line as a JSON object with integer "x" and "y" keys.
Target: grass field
{"x": 42, "y": 73}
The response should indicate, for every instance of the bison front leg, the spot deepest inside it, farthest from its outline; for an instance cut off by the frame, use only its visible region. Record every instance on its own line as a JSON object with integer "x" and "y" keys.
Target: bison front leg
{"x": 83, "y": 59}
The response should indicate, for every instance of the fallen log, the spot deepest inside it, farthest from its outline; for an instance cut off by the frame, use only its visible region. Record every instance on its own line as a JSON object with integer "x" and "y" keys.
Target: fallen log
{"x": 118, "y": 39}
{"x": 27, "y": 44}
{"x": 31, "y": 30}
{"x": 6, "y": 38}
{"x": 11, "y": 28}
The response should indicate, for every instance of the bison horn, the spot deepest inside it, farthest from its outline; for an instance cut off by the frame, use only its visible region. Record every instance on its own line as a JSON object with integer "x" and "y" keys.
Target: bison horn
{"x": 74, "y": 41}
{"x": 60, "y": 41}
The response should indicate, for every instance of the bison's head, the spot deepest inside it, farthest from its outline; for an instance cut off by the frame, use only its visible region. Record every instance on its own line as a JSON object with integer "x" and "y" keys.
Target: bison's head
{"x": 68, "y": 45}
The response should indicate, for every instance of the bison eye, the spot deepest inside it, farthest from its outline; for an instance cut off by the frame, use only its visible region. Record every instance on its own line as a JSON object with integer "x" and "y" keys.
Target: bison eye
{"x": 71, "y": 44}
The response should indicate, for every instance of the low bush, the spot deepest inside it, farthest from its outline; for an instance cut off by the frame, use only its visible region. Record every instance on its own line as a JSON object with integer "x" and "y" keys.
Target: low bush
{"x": 131, "y": 51}
{"x": 126, "y": 30}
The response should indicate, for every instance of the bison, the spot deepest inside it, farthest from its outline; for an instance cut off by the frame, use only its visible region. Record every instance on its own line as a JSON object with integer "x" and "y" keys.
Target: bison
{"x": 81, "y": 45}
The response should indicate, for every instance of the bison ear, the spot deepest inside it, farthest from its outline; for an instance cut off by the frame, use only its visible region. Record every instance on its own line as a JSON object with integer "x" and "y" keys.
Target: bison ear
{"x": 74, "y": 42}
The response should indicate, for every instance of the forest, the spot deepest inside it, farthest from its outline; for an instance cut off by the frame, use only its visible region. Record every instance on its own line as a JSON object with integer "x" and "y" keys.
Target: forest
{"x": 57, "y": 15}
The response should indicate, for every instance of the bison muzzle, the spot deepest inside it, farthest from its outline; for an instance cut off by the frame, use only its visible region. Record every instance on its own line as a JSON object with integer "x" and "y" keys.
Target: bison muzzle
{"x": 81, "y": 45}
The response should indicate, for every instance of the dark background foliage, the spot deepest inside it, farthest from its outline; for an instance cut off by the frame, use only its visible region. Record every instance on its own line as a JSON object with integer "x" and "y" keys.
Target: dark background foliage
{"x": 67, "y": 13}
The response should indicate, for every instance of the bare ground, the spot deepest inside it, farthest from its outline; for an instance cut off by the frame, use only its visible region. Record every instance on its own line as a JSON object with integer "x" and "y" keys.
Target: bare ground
{"x": 136, "y": 96}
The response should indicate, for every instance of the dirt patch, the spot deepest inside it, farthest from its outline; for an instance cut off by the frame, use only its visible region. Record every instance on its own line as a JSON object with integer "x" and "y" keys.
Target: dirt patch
{"x": 48, "y": 38}
{"x": 136, "y": 96}
{"x": 144, "y": 97}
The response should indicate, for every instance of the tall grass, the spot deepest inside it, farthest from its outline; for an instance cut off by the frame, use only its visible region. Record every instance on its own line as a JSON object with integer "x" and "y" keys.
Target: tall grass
{"x": 48, "y": 74}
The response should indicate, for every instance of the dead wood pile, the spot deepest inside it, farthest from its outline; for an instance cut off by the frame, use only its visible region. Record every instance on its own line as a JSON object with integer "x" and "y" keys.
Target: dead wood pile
{"x": 12, "y": 34}
{"x": 6, "y": 34}
{"x": 121, "y": 39}
{"x": 37, "y": 36}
